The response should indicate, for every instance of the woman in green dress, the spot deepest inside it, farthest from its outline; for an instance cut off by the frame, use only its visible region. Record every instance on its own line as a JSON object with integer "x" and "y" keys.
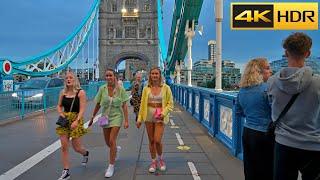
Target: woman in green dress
{"x": 113, "y": 100}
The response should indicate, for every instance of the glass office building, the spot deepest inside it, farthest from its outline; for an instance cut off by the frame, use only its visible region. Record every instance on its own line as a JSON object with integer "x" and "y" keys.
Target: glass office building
{"x": 312, "y": 61}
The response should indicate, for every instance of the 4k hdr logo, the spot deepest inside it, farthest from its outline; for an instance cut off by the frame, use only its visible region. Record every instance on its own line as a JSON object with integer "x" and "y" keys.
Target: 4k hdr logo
{"x": 275, "y": 16}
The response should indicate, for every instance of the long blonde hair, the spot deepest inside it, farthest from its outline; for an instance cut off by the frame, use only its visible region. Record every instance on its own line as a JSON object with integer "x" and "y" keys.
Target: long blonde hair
{"x": 150, "y": 84}
{"x": 76, "y": 84}
{"x": 253, "y": 72}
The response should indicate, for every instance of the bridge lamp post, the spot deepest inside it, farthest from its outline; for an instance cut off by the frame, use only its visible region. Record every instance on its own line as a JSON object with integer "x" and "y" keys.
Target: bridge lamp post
{"x": 219, "y": 17}
{"x": 124, "y": 10}
{"x": 189, "y": 33}
{"x": 178, "y": 70}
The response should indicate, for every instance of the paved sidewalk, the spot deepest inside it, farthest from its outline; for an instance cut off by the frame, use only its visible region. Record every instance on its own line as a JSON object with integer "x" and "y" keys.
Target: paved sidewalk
{"x": 209, "y": 157}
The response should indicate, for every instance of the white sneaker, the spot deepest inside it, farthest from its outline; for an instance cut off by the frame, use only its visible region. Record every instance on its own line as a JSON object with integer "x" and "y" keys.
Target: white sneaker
{"x": 110, "y": 171}
{"x": 118, "y": 153}
{"x": 153, "y": 166}
{"x": 162, "y": 165}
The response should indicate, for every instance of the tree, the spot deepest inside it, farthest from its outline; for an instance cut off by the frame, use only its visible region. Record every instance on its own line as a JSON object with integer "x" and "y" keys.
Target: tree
{"x": 212, "y": 84}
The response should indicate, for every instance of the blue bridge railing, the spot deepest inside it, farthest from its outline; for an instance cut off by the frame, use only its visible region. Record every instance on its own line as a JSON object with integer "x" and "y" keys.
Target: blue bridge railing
{"x": 216, "y": 111}
{"x": 19, "y": 103}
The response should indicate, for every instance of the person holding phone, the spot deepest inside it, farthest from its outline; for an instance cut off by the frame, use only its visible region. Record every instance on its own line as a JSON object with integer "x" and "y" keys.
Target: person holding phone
{"x": 156, "y": 103}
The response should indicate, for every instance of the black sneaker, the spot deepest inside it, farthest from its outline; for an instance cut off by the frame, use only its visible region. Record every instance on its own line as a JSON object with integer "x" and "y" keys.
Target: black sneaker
{"x": 65, "y": 175}
{"x": 85, "y": 159}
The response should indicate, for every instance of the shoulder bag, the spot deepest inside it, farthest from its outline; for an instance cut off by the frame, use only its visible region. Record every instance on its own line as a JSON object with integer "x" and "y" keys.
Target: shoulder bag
{"x": 273, "y": 124}
{"x": 63, "y": 121}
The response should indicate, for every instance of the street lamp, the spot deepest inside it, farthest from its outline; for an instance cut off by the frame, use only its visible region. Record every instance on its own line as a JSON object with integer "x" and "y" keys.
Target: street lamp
{"x": 189, "y": 33}
{"x": 219, "y": 17}
{"x": 123, "y": 10}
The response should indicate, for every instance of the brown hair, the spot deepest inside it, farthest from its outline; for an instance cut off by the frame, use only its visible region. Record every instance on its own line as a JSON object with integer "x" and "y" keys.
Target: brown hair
{"x": 150, "y": 82}
{"x": 297, "y": 44}
{"x": 253, "y": 71}
{"x": 115, "y": 77}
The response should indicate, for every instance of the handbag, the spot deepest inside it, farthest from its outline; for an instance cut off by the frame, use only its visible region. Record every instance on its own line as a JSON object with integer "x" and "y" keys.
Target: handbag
{"x": 63, "y": 121}
{"x": 157, "y": 113}
{"x": 273, "y": 124}
{"x": 103, "y": 120}
{"x": 131, "y": 101}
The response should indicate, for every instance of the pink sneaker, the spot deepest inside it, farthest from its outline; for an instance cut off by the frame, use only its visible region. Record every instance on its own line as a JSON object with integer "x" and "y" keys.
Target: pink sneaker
{"x": 153, "y": 166}
{"x": 162, "y": 165}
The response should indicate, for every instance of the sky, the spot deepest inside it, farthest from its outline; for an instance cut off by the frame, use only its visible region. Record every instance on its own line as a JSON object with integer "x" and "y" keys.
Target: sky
{"x": 31, "y": 27}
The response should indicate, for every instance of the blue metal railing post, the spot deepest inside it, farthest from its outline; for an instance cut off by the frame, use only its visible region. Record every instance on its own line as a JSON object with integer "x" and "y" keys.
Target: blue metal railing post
{"x": 22, "y": 105}
{"x": 213, "y": 115}
{"x": 239, "y": 127}
{"x": 201, "y": 107}
{"x": 44, "y": 99}
{"x": 227, "y": 130}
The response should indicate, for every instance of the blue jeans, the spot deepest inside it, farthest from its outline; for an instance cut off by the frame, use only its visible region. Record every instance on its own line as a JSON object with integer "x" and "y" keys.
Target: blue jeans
{"x": 289, "y": 160}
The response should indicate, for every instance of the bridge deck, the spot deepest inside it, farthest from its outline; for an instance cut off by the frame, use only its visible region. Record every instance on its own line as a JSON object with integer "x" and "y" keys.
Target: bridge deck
{"x": 23, "y": 139}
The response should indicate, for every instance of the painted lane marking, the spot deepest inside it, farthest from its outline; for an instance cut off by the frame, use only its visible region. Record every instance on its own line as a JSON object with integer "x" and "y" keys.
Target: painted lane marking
{"x": 181, "y": 143}
{"x": 35, "y": 159}
{"x": 172, "y": 123}
{"x": 194, "y": 171}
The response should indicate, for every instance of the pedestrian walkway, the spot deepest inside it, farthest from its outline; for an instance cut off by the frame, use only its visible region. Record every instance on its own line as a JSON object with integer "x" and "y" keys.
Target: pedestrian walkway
{"x": 190, "y": 153}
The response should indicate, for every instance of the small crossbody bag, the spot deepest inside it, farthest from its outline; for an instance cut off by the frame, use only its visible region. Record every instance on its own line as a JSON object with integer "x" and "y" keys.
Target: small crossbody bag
{"x": 103, "y": 120}
{"x": 63, "y": 121}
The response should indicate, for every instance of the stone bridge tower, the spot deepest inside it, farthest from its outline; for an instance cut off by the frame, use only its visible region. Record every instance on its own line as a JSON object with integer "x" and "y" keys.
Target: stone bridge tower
{"x": 128, "y": 30}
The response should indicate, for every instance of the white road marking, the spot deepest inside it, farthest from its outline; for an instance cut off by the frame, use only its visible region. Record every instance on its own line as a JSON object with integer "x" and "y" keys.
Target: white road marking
{"x": 181, "y": 143}
{"x": 172, "y": 123}
{"x": 194, "y": 171}
{"x": 35, "y": 159}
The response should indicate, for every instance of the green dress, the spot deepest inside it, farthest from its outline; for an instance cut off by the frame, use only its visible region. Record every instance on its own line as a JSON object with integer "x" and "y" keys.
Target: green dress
{"x": 115, "y": 114}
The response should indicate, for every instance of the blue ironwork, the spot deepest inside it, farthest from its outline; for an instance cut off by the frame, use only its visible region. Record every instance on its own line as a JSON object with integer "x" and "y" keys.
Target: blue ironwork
{"x": 177, "y": 48}
{"x": 214, "y": 103}
{"x": 162, "y": 43}
{"x": 64, "y": 53}
{"x": 18, "y": 104}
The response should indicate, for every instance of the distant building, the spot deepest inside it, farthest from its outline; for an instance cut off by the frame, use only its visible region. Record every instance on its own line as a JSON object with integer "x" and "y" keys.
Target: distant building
{"x": 212, "y": 51}
{"x": 83, "y": 73}
{"x": 202, "y": 71}
{"x": 312, "y": 61}
{"x": 183, "y": 72}
{"x": 230, "y": 74}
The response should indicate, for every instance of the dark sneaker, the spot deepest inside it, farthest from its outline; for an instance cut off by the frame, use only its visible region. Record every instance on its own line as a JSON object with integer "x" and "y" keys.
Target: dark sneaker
{"x": 85, "y": 159}
{"x": 65, "y": 175}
